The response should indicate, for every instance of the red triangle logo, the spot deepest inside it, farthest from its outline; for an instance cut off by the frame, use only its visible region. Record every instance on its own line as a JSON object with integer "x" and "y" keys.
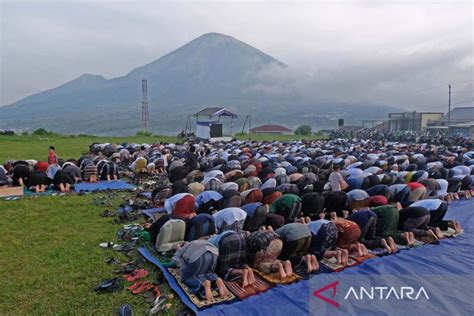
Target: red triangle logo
{"x": 332, "y": 286}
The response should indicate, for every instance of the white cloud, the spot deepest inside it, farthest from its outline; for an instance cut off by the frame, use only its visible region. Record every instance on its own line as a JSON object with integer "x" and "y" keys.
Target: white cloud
{"x": 372, "y": 51}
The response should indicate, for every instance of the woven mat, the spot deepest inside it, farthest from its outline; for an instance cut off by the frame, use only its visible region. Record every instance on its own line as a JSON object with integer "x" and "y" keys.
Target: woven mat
{"x": 261, "y": 285}
{"x": 274, "y": 278}
{"x": 450, "y": 233}
{"x": 333, "y": 265}
{"x": 194, "y": 298}
{"x": 363, "y": 258}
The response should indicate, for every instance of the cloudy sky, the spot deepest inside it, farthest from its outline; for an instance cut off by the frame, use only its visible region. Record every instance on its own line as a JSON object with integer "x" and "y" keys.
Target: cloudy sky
{"x": 401, "y": 53}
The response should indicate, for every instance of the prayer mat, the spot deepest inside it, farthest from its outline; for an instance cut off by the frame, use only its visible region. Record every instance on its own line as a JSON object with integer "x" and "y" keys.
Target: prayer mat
{"x": 404, "y": 247}
{"x": 450, "y": 233}
{"x": 103, "y": 185}
{"x": 334, "y": 266}
{"x": 200, "y": 303}
{"x": 379, "y": 252}
{"x": 11, "y": 191}
{"x": 274, "y": 278}
{"x": 261, "y": 285}
{"x": 363, "y": 258}
{"x": 427, "y": 240}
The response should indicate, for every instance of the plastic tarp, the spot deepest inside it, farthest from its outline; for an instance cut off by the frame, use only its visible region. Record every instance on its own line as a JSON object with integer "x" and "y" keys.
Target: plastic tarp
{"x": 103, "y": 185}
{"x": 445, "y": 271}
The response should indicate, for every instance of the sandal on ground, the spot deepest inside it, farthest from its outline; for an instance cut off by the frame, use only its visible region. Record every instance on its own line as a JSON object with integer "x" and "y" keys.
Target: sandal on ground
{"x": 108, "y": 286}
{"x": 125, "y": 310}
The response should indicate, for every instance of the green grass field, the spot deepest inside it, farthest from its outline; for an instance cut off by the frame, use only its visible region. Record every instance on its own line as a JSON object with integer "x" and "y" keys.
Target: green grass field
{"x": 50, "y": 260}
{"x": 35, "y": 147}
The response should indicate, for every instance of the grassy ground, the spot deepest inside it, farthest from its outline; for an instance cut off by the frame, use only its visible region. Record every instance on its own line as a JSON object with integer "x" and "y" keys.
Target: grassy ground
{"x": 50, "y": 259}
{"x": 35, "y": 147}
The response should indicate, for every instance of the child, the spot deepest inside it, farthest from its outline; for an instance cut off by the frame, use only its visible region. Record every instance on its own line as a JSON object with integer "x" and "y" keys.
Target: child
{"x": 52, "y": 157}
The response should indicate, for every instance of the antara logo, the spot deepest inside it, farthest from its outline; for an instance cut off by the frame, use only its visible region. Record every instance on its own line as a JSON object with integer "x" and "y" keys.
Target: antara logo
{"x": 371, "y": 293}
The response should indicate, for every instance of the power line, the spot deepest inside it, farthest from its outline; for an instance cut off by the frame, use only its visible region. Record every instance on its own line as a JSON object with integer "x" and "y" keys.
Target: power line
{"x": 444, "y": 106}
{"x": 436, "y": 87}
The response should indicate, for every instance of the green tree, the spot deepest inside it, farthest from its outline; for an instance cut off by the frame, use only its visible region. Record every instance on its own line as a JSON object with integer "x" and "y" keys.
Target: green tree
{"x": 303, "y": 130}
{"x": 143, "y": 133}
{"x": 42, "y": 132}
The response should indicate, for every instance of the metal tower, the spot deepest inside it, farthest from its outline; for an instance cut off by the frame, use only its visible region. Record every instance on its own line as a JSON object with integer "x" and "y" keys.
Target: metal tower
{"x": 145, "y": 114}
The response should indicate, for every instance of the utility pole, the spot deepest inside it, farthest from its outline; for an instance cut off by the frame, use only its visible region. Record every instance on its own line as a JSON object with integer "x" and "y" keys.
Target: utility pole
{"x": 449, "y": 105}
{"x": 145, "y": 114}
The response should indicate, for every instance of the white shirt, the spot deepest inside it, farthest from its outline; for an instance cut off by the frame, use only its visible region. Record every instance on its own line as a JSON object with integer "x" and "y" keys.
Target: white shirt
{"x": 430, "y": 204}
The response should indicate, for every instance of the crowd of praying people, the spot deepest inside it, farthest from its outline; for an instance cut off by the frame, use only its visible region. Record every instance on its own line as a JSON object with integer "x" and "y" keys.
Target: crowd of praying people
{"x": 229, "y": 209}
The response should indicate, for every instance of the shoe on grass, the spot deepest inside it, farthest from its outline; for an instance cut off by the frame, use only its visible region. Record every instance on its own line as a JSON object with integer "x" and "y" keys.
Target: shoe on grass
{"x": 125, "y": 310}
{"x": 109, "y": 286}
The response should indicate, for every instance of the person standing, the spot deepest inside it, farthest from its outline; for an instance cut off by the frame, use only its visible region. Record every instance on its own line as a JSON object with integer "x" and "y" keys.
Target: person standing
{"x": 52, "y": 157}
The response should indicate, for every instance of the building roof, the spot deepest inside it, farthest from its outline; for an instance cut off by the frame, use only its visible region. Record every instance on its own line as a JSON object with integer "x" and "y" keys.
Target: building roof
{"x": 464, "y": 124}
{"x": 270, "y": 128}
{"x": 215, "y": 111}
{"x": 460, "y": 115}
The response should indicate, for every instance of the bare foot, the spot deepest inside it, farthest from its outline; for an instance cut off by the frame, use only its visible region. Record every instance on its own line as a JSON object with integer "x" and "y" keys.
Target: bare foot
{"x": 385, "y": 245}
{"x": 308, "y": 264}
{"x": 360, "y": 250}
{"x": 262, "y": 228}
{"x": 251, "y": 276}
{"x": 282, "y": 271}
{"x": 439, "y": 233}
{"x": 406, "y": 237}
{"x": 345, "y": 214}
{"x": 392, "y": 244}
{"x": 322, "y": 216}
{"x": 208, "y": 291}
{"x": 245, "y": 278}
{"x": 344, "y": 256}
{"x": 333, "y": 216}
{"x": 365, "y": 251}
{"x": 288, "y": 268}
{"x": 338, "y": 256}
{"x": 270, "y": 228}
{"x": 314, "y": 263}
{"x": 431, "y": 233}
{"x": 223, "y": 292}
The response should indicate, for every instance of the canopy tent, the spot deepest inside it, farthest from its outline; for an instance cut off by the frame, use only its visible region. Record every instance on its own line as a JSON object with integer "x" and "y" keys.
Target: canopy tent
{"x": 215, "y": 111}
{"x": 208, "y": 123}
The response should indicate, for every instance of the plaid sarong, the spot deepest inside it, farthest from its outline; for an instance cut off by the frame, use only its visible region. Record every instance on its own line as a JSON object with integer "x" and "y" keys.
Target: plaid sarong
{"x": 232, "y": 254}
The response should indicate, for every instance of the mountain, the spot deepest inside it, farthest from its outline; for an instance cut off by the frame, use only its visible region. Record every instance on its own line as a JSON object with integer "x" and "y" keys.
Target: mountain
{"x": 211, "y": 70}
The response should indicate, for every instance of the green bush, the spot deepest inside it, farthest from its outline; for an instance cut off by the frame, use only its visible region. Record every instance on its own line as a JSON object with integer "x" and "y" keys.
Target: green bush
{"x": 144, "y": 133}
{"x": 25, "y": 133}
{"x": 303, "y": 130}
{"x": 42, "y": 132}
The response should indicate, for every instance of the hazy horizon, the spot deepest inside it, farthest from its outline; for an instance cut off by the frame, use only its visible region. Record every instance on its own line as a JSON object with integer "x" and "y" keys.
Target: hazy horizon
{"x": 396, "y": 53}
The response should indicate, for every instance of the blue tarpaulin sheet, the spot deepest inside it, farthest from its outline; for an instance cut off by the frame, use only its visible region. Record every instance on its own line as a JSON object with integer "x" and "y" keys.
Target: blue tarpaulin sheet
{"x": 445, "y": 271}
{"x": 103, "y": 185}
{"x": 152, "y": 211}
{"x": 433, "y": 279}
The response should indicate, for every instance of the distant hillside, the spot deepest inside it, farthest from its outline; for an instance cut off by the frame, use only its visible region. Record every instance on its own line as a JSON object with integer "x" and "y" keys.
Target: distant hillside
{"x": 212, "y": 70}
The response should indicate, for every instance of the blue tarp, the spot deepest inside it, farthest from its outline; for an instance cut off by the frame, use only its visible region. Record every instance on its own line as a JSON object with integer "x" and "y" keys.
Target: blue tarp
{"x": 445, "y": 271}
{"x": 152, "y": 211}
{"x": 103, "y": 185}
